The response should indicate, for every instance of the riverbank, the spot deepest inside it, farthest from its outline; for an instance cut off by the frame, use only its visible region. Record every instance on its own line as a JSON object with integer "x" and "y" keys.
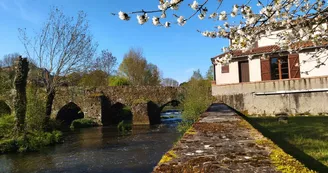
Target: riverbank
{"x": 222, "y": 141}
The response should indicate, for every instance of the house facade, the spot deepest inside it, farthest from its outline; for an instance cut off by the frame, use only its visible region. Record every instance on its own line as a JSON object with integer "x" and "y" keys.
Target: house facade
{"x": 250, "y": 66}
{"x": 268, "y": 80}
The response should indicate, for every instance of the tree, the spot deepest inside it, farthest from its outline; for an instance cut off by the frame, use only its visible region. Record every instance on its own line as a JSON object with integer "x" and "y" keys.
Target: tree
{"x": 106, "y": 62}
{"x": 62, "y": 46}
{"x": 210, "y": 73}
{"x": 135, "y": 68}
{"x": 170, "y": 82}
{"x": 197, "y": 75}
{"x": 118, "y": 81}
{"x": 9, "y": 59}
{"x": 245, "y": 23}
{"x": 95, "y": 78}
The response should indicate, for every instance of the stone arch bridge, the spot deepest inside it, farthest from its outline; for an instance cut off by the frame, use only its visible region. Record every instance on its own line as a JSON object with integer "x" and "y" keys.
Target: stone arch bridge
{"x": 99, "y": 104}
{"x": 145, "y": 102}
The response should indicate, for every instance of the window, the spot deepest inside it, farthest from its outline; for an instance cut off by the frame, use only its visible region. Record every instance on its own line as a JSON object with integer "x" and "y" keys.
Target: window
{"x": 225, "y": 68}
{"x": 279, "y": 68}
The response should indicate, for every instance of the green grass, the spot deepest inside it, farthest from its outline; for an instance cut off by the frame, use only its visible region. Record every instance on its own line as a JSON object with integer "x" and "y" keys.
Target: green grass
{"x": 306, "y": 138}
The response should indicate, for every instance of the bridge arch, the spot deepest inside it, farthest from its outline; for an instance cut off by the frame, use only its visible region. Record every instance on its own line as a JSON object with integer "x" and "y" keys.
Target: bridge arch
{"x": 173, "y": 103}
{"x": 4, "y": 108}
{"x": 116, "y": 113}
{"x": 68, "y": 113}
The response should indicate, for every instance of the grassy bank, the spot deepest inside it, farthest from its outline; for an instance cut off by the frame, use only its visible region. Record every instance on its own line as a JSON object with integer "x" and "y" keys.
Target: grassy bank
{"x": 32, "y": 140}
{"x": 306, "y": 138}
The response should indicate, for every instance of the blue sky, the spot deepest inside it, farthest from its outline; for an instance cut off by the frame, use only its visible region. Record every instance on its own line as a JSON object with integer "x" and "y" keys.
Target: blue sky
{"x": 177, "y": 51}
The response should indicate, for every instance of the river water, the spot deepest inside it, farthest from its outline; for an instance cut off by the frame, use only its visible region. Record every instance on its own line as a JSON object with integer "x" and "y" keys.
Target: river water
{"x": 98, "y": 150}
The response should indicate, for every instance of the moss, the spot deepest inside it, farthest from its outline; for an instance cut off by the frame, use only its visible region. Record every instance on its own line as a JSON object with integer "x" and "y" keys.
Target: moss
{"x": 191, "y": 131}
{"x": 83, "y": 123}
{"x": 283, "y": 161}
{"x": 168, "y": 157}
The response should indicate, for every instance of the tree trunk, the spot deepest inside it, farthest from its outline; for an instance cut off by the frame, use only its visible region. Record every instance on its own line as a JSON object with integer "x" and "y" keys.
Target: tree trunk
{"x": 49, "y": 102}
{"x": 22, "y": 69}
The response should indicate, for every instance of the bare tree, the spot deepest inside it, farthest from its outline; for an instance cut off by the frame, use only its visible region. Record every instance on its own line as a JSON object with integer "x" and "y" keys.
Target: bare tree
{"x": 63, "y": 45}
{"x": 9, "y": 59}
{"x": 170, "y": 82}
{"x": 106, "y": 62}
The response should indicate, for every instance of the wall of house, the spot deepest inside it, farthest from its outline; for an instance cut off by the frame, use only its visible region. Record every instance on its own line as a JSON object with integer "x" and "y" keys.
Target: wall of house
{"x": 255, "y": 70}
{"x": 243, "y": 96}
{"x": 227, "y": 78}
{"x": 311, "y": 63}
{"x": 269, "y": 40}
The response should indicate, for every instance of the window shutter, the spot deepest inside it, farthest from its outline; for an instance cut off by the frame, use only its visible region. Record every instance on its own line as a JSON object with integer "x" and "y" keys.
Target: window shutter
{"x": 265, "y": 69}
{"x": 225, "y": 68}
{"x": 294, "y": 66}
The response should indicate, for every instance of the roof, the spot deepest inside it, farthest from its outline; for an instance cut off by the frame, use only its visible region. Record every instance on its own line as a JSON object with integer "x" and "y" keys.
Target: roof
{"x": 268, "y": 49}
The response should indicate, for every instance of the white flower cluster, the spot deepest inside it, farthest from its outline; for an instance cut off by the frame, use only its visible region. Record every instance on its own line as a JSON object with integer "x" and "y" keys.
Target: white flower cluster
{"x": 302, "y": 20}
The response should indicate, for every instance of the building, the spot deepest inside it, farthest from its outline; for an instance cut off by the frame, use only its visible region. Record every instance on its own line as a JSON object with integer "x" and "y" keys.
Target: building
{"x": 269, "y": 80}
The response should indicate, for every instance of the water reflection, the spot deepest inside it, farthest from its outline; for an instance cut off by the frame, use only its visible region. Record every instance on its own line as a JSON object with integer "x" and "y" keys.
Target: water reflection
{"x": 101, "y": 149}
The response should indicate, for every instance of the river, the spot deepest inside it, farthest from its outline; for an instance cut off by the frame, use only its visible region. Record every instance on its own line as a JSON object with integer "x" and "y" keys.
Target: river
{"x": 98, "y": 150}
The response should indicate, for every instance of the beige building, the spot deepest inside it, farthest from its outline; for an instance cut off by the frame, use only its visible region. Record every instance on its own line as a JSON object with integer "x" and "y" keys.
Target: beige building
{"x": 281, "y": 82}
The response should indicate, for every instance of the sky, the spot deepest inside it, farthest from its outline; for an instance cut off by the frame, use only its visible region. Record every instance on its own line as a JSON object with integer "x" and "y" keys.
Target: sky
{"x": 177, "y": 51}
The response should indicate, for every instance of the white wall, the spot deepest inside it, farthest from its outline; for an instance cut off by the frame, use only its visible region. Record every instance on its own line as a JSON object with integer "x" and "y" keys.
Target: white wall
{"x": 255, "y": 70}
{"x": 269, "y": 40}
{"x": 227, "y": 78}
{"x": 311, "y": 63}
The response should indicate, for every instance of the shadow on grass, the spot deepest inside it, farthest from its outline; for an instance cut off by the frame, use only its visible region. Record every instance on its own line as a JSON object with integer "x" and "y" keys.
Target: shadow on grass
{"x": 292, "y": 150}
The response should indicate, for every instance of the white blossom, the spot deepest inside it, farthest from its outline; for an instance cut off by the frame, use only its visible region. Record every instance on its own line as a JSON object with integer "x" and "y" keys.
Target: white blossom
{"x": 181, "y": 21}
{"x": 156, "y": 21}
{"x": 235, "y": 9}
{"x": 164, "y": 6}
{"x": 213, "y": 15}
{"x": 142, "y": 18}
{"x": 167, "y": 24}
{"x": 201, "y": 16}
{"x": 223, "y": 16}
{"x": 194, "y": 5}
{"x": 123, "y": 16}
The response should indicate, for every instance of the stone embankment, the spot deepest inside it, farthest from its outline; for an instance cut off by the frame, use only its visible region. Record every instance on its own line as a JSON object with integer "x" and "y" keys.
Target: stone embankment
{"x": 222, "y": 141}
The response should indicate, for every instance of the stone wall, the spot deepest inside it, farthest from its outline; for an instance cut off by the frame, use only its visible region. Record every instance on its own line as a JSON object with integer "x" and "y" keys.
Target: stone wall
{"x": 297, "y": 96}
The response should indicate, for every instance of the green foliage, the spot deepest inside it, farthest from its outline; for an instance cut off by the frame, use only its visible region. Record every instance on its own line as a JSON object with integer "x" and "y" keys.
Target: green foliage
{"x": 197, "y": 98}
{"x": 210, "y": 73}
{"x": 95, "y": 78}
{"x": 4, "y": 108}
{"x": 33, "y": 141}
{"x": 36, "y": 108}
{"x": 124, "y": 126}
{"x": 118, "y": 81}
{"x": 136, "y": 68}
{"x": 7, "y": 123}
{"x": 83, "y": 123}
{"x": 184, "y": 126}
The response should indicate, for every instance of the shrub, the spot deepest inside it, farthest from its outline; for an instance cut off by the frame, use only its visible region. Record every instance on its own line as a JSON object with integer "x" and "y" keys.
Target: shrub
{"x": 7, "y": 123}
{"x": 35, "y": 109}
{"x": 33, "y": 141}
{"x": 197, "y": 98}
{"x": 83, "y": 123}
{"x": 124, "y": 126}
